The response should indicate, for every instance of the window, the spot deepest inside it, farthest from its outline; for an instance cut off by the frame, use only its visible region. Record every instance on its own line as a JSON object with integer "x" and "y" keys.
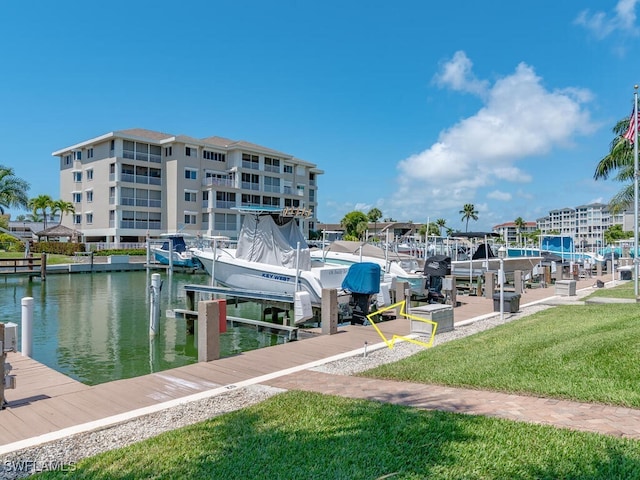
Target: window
{"x": 225, "y": 199}
{"x": 78, "y": 155}
{"x": 250, "y": 161}
{"x": 224, "y": 221}
{"x": 250, "y": 200}
{"x": 191, "y": 152}
{"x": 77, "y": 219}
{"x": 67, "y": 159}
{"x": 90, "y": 153}
{"x": 190, "y": 218}
{"x": 168, "y": 151}
{"x": 272, "y": 164}
{"x": 77, "y": 176}
{"x": 190, "y": 174}
{"x": 89, "y": 218}
{"x": 218, "y": 157}
{"x": 271, "y": 184}
{"x": 271, "y": 201}
{"x": 90, "y": 174}
{"x": 250, "y": 181}
{"x": 77, "y": 197}
{"x": 190, "y": 196}
{"x": 288, "y": 169}
{"x": 89, "y": 194}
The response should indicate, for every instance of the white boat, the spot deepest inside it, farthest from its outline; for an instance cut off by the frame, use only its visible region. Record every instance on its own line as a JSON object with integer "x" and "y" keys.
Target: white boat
{"x": 174, "y": 251}
{"x": 404, "y": 268}
{"x": 270, "y": 258}
{"x": 484, "y": 259}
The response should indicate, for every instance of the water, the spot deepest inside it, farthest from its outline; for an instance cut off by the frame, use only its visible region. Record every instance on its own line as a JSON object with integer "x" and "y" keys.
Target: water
{"x": 95, "y": 327}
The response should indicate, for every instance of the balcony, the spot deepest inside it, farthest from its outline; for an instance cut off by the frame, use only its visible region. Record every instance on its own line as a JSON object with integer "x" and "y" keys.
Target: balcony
{"x": 218, "y": 182}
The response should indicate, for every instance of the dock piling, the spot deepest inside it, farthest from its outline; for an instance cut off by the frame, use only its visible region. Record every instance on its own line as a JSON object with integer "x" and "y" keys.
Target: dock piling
{"x": 208, "y": 330}
{"x": 154, "y": 314}
{"x": 27, "y": 322}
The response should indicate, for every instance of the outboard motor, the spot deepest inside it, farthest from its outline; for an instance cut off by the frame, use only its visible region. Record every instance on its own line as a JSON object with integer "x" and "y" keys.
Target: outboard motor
{"x": 435, "y": 269}
{"x": 363, "y": 281}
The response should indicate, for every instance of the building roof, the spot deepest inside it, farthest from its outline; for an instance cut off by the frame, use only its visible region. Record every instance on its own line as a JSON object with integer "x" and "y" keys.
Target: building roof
{"x": 58, "y": 231}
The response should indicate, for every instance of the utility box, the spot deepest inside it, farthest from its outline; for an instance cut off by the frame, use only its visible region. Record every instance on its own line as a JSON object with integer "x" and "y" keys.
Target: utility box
{"x": 10, "y": 337}
{"x": 566, "y": 288}
{"x": 510, "y": 303}
{"x": 625, "y": 273}
{"x": 438, "y": 313}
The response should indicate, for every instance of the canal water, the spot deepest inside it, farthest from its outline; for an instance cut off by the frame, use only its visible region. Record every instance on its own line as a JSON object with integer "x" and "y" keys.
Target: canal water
{"x": 94, "y": 327}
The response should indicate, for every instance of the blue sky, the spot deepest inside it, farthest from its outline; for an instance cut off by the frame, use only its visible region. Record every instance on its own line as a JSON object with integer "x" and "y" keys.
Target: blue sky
{"x": 413, "y": 107}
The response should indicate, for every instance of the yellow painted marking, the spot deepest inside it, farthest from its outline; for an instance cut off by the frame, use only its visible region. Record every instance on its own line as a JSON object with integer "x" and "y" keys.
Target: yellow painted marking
{"x": 391, "y": 342}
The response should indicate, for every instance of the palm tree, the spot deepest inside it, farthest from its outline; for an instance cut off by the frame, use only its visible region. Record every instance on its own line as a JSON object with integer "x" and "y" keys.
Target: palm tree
{"x": 13, "y": 190}
{"x": 441, "y": 223}
{"x": 40, "y": 204}
{"x": 469, "y": 212}
{"x": 519, "y": 222}
{"x": 63, "y": 207}
{"x": 374, "y": 215}
{"x": 619, "y": 159}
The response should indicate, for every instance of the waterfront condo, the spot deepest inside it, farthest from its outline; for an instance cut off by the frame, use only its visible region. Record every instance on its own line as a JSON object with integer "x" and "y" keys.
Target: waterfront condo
{"x": 130, "y": 184}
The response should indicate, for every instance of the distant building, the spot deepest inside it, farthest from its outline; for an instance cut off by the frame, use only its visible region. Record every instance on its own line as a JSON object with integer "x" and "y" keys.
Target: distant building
{"x": 130, "y": 184}
{"x": 586, "y": 224}
{"x": 510, "y": 234}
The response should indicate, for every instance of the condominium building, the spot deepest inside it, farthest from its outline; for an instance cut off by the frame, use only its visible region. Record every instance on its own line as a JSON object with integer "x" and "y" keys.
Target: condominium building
{"x": 586, "y": 224}
{"x": 130, "y": 184}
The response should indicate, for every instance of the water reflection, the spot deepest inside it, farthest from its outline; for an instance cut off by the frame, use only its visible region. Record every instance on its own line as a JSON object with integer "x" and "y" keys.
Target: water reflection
{"x": 95, "y": 327}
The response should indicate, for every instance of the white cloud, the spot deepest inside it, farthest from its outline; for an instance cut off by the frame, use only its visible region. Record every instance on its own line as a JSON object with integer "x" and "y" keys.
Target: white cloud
{"x": 520, "y": 118}
{"x": 498, "y": 195}
{"x": 457, "y": 75}
{"x": 602, "y": 25}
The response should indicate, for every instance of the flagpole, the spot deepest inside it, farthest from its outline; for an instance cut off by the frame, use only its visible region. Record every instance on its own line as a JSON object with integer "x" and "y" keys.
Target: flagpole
{"x": 635, "y": 193}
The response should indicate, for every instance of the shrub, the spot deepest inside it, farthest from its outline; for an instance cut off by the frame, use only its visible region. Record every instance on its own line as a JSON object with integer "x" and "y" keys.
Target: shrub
{"x": 10, "y": 243}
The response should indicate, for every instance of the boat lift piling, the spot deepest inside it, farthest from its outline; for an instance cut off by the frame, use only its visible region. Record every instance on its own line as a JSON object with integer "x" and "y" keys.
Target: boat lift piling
{"x": 154, "y": 310}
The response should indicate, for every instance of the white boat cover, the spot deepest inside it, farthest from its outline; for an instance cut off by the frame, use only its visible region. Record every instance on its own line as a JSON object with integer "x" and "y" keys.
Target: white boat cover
{"x": 262, "y": 241}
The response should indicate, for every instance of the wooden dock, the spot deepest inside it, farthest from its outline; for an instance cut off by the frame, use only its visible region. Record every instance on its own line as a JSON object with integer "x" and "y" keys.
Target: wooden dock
{"x": 32, "y": 266}
{"x": 47, "y": 404}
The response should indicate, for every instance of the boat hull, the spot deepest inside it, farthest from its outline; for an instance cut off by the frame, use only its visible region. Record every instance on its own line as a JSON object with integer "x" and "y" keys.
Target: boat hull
{"x": 246, "y": 275}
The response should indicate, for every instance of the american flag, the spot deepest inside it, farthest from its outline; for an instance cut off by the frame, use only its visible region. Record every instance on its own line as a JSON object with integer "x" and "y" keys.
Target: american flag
{"x": 632, "y": 133}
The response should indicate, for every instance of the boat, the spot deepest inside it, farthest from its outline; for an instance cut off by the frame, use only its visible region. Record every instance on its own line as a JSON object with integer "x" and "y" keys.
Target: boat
{"x": 484, "y": 259}
{"x": 270, "y": 257}
{"x": 174, "y": 251}
{"x": 403, "y": 268}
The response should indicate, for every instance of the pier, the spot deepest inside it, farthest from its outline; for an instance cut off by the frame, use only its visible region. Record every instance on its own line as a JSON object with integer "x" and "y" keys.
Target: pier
{"x": 32, "y": 266}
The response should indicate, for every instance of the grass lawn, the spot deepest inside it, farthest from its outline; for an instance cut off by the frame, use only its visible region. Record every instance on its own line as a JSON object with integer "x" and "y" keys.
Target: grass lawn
{"x": 298, "y": 435}
{"x": 587, "y": 353}
{"x": 622, "y": 290}
{"x": 52, "y": 259}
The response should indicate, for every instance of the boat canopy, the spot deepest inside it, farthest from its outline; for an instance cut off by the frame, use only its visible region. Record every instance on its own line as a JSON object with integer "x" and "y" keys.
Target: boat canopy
{"x": 262, "y": 241}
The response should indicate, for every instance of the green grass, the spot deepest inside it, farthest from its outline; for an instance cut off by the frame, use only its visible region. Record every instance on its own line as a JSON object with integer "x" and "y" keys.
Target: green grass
{"x": 587, "y": 353}
{"x": 299, "y": 435}
{"x": 52, "y": 258}
{"x": 622, "y": 290}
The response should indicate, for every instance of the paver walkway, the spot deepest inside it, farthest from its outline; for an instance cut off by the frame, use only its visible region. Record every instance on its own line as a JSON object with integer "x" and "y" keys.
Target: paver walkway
{"x": 610, "y": 420}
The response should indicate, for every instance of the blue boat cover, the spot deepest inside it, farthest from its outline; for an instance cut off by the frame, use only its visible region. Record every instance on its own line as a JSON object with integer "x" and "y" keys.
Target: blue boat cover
{"x": 363, "y": 278}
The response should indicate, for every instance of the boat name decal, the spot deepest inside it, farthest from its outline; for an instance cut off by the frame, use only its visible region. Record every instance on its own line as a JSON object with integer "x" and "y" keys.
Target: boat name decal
{"x": 273, "y": 276}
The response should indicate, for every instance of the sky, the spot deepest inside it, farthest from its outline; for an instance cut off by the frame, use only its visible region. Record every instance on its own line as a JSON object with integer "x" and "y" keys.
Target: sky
{"x": 415, "y": 108}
